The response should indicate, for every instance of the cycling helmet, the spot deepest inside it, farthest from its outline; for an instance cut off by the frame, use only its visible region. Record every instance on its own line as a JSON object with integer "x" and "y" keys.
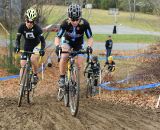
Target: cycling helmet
{"x": 74, "y": 11}
{"x": 110, "y": 58}
{"x": 31, "y": 14}
{"x": 95, "y": 58}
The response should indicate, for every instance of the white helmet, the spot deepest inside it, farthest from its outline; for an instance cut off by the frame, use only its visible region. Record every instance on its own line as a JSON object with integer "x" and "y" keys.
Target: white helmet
{"x": 31, "y": 14}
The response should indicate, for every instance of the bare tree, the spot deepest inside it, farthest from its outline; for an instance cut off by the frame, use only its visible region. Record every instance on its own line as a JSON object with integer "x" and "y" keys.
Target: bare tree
{"x": 156, "y": 4}
{"x": 132, "y": 8}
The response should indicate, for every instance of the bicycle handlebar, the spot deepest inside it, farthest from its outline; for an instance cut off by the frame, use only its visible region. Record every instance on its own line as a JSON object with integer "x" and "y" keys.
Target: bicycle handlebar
{"x": 28, "y": 52}
{"x": 74, "y": 53}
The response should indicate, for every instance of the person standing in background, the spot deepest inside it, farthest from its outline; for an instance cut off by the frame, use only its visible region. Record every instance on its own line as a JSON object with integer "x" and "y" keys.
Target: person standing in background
{"x": 108, "y": 45}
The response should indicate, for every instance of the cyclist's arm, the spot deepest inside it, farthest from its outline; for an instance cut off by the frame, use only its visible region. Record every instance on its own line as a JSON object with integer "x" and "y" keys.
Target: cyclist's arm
{"x": 57, "y": 41}
{"x": 60, "y": 34}
{"x": 88, "y": 33}
{"x": 90, "y": 42}
{"x": 98, "y": 65}
{"x": 41, "y": 37}
{"x": 43, "y": 43}
{"x": 18, "y": 37}
{"x": 86, "y": 67}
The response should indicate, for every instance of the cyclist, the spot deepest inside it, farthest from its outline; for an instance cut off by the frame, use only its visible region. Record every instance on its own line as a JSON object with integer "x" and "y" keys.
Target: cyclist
{"x": 93, "y": 67}
{"x": 33, "y": 35}
{"x": 73, "y": 29}
{"x": 111, "y": 64}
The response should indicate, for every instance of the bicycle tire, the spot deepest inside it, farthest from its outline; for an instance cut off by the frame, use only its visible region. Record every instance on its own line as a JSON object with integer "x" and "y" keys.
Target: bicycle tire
{"x": 29, "y": 86}
{"x": 66, "y": 96}
{"x": 60, "y": 94}
{"x": 93, "y": 87}
{"x": 88, "y": 89}
{"x": 74, "y": 90}
{"x": 22, "y": 85}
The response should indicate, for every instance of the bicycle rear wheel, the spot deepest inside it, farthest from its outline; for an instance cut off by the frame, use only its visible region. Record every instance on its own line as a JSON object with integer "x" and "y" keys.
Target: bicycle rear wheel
{"x": 88, "y": 88}
{"x": 74, "y": 90}
{"x": 23, "y": 83}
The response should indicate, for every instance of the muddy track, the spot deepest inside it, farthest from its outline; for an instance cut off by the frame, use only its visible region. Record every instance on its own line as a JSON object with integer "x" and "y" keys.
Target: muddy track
{"x": 46, "y": 113}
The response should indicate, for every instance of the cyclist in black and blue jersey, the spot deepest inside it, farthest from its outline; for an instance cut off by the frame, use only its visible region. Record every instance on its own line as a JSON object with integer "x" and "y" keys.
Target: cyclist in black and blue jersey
{"x": 73, "y": 29}
{"x": 33, "y": 35}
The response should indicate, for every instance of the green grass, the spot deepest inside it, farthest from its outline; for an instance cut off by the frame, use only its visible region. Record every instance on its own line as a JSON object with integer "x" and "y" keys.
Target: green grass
{"x": 118, "y": 38}
{"x": 101, "y": 17}
{"x": 128, "y": 38}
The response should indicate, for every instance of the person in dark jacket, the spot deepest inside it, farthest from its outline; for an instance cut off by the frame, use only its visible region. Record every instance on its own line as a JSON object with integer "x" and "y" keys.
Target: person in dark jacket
{"x": 108, "y": 45}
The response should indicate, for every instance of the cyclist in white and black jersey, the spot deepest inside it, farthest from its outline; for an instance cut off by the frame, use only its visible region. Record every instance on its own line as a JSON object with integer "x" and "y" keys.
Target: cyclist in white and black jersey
{"x": 73, "y": 29}
{"x": 33, "y": 35}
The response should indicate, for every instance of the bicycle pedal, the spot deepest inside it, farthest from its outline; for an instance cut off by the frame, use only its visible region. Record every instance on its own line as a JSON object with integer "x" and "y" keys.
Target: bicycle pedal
{"x": 34, "y": 86}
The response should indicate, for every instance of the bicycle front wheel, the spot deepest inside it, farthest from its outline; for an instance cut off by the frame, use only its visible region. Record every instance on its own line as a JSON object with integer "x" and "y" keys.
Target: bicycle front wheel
{"x": 29, "y": 86}
{"x": 23, "y": 84}
{"x": 74, "y": 89}
{"x": 60, "y": 94}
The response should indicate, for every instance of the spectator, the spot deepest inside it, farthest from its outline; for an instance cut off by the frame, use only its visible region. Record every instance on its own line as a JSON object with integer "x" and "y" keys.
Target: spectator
{"x": 108, "y": 45}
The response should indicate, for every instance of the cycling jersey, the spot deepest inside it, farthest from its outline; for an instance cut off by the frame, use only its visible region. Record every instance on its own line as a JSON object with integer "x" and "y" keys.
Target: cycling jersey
{"x": 93, "y": 67}
{"x": 32, "y": 37}
{"x": 75, "y": 35}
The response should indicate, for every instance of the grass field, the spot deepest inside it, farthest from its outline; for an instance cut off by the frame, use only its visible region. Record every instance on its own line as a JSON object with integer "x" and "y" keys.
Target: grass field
{"x": 130, "y": 38}
{"x": 101, "y": 17}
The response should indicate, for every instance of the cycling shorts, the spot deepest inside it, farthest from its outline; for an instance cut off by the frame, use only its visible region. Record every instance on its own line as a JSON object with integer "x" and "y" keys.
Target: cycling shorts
{"x": 31, "y": 49}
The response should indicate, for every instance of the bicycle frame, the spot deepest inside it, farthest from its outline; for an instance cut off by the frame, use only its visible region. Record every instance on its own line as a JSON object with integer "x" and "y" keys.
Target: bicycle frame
{"x": 25, "y": 79}
{"x": 72, "y": 88}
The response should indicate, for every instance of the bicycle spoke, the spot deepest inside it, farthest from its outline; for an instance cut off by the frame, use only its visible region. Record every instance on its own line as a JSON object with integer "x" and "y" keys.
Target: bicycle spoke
{"x": 74, "y": 91}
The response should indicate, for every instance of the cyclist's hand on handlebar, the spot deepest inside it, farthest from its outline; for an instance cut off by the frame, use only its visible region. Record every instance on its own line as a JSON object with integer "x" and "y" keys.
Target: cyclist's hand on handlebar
{"x": 16, "y": 49}
{"x": 41, "y": 52}
{"x": 89, "y": 50}
{"x": 58, "y": 48}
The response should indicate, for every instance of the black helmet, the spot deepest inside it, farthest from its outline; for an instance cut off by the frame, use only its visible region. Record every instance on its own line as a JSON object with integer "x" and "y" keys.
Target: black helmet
{"x": 95, "y": 58}
{"x": 74, "y": 11}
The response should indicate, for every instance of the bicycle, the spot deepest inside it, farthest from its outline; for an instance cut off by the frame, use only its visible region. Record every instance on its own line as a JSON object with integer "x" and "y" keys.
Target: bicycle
{"x": 92, "y": 82}
{"x": 26, "y": 85}
{"x": 107, "y": 70}
{"x": 71, "y": 90}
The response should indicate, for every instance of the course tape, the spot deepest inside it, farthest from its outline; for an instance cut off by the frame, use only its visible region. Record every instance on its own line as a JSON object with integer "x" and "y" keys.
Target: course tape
{"x": 9, "y": 77}
{"x": 104, "y": 85}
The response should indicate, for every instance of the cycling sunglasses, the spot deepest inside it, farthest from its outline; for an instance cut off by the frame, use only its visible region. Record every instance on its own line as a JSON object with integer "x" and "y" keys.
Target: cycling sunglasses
{"x": 30, "y": 21}
{"x": 75, "y": 19}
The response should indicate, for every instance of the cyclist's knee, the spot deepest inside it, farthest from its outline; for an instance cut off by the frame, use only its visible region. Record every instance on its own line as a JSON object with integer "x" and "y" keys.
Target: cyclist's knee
{"x": 34, "y": 58}
{"x": 65, "y": 47}
{"x": 23, "y": 62}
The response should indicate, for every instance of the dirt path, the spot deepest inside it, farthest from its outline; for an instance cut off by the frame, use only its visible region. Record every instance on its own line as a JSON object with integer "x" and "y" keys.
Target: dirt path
{"x": 45, "y": 113}
{"x": 48, "y": 114}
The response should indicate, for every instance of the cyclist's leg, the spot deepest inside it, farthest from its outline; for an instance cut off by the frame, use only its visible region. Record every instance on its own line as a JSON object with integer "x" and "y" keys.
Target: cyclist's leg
{"x": 35, "y": 57}
{"x": 63, "y": 64}
{"x": 63, "y": 60}
{"x": 34, "y": 60}
{"x": 80, "y": 61}
{"x": 22, "y": 62}
{"x": 80, "y": 57}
